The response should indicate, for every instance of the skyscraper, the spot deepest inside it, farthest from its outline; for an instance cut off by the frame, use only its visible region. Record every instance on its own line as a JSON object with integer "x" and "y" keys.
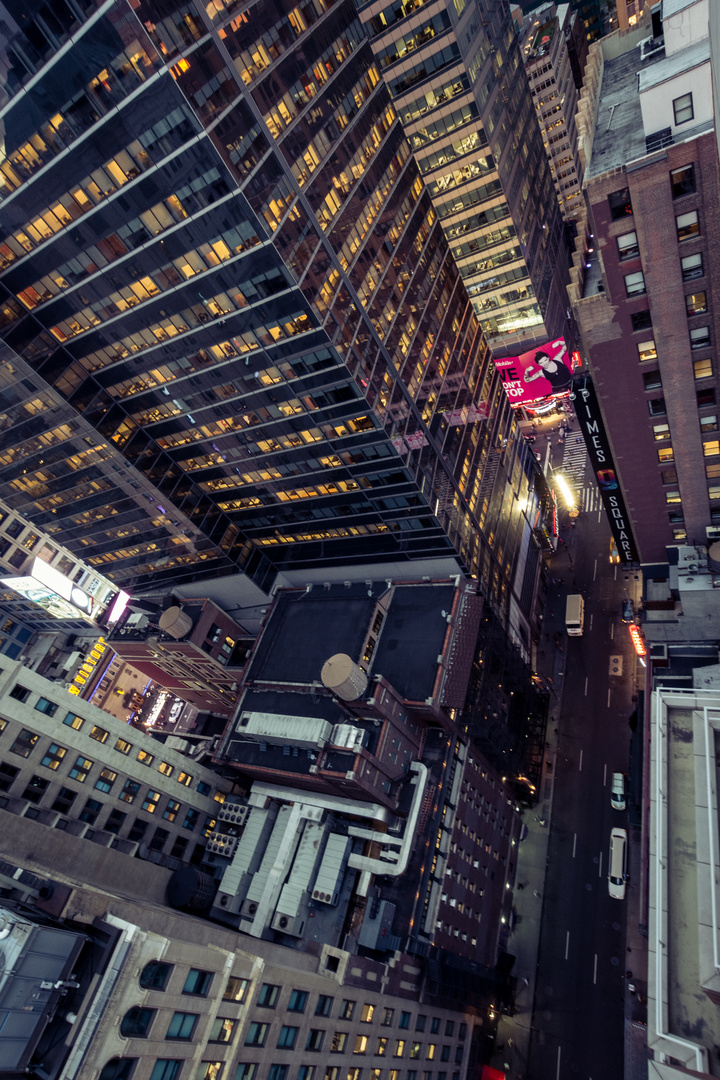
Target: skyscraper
{"x": 234, "y": 336}
{"x": 456, "y": 76}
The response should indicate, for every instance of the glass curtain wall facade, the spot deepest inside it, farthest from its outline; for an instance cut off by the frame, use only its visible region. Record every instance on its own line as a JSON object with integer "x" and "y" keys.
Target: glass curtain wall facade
{"x": 456, "y": 77}
{"x": 234, "y": 335}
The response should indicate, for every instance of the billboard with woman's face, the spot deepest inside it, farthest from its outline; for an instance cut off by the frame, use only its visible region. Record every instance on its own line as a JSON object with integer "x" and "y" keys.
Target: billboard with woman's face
{"x": 539, "y": 373}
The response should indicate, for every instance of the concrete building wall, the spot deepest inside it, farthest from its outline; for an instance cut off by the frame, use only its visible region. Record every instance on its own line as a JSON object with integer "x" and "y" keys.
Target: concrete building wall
{"x": 76, "y": 768}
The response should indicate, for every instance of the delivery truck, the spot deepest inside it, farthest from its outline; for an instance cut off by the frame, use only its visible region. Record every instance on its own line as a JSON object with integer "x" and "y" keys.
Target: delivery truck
{"x": 574, "y": 615}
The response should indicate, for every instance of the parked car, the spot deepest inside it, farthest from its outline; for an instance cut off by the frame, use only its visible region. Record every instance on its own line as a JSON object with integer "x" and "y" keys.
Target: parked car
{"x": 617, "y": 864}
{"x": 617, "y": 791}
{"x": 628, "y": 611}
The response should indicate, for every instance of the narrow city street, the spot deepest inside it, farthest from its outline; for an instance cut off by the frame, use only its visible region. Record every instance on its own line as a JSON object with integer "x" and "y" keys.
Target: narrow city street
{"x": 582, "y": 960}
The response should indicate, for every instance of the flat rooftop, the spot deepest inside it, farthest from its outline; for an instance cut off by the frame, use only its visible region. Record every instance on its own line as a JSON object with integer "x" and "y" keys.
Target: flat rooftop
{"x": 412, "y": 638}
{"x": 619, "y": 134}
{"x": 307, "y": 628}
{"x": 684, "y": 916}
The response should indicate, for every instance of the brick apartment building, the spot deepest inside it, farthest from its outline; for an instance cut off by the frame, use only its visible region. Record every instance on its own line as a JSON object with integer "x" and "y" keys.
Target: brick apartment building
{"x": 644, "y": 297}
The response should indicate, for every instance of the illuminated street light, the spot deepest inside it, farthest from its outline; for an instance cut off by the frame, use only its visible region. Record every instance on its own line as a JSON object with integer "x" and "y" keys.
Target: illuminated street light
{"x": 565, "y": 491}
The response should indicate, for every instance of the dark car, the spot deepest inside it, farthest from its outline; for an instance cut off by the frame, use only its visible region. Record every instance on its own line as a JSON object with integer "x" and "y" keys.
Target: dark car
{"x": 628, "y": 611}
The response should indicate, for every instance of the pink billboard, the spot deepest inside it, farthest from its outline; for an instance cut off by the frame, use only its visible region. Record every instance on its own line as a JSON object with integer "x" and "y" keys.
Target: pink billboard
{"x": 539, "y": 373}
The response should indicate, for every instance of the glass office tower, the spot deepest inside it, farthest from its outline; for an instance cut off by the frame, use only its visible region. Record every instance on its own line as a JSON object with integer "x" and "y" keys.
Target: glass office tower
{"x": 456, "y": 77}
{"x": 234, "y": 336}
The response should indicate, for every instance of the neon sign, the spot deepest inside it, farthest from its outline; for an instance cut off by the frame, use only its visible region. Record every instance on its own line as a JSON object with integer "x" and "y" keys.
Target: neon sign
{"x": 638, "y": 640}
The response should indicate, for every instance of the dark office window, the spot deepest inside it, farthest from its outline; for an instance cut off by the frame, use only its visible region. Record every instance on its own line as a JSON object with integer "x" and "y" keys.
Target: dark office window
{"x": 287, "y": 1037}
{"x": 641, "y": 320}
{"x": 191, "y": 820}
{"x": 699, "y": 339}
{"x": 277, "y": 1072}
{"x": 19, "y": 693}
{"x": 182, "y": 1025}
{"x": 619, "y": 203}
{"x": 268, "y": 995}
{"x": 64, "y": 800}
{"x": 324, "y": 1005}
{"x": 178, "y": 849}
{"x": 45, "y": 706}
{"x": 706, "y": 397}
{"x": 158, "y": 841}
{"x": 668, "y": 476}
{"x": 298, "y": 1000}
{"x": 115, "y": 821}
{"x": 165, "y": 1069}
{"x": 90, "y": 811}
{"x": 435, "y": 1025}
{"x": 404, "y": 1020}
{"x": 35, "y": 789}
{"x": 656, "y": 407}
{"x": 682, "y": 181}
{"x": 136, "y": 1022}
{"x": 155, "y": 974}
{"x": 256, "y": 1034}
{"x": 652, "y": 380}
{"x": 118, "y": 1069}
{"x": 138, "y": 830}
{"x": 315, "y": 1039}
{"x": 197, "y": 982}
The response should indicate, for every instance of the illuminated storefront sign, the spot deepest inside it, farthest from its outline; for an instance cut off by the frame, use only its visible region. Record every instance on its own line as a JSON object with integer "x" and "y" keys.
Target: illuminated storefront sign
{"x": 87, "y": 667}
{"x": 601, "y": 460}
{"x": 536, "y": 375}
{"x": 638, "y": 639}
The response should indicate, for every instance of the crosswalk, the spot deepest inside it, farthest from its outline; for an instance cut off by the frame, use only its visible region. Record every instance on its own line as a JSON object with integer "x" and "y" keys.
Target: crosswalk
{"x": 573, "y": 467}
{"x": 574, "y": 458}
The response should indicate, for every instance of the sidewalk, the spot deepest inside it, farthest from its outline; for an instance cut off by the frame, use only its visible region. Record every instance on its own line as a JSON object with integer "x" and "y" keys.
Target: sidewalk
{"x": 512, "y": 1044}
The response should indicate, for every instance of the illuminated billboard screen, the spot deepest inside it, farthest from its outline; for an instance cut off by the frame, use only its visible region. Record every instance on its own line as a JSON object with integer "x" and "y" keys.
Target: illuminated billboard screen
{"x": 537, "y": 374}
{"x": 40, "y": 594}
{"x": 55, "y": 592}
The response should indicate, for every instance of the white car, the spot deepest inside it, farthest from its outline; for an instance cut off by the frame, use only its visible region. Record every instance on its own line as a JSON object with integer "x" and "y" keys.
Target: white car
{"x": 617, "y": 791}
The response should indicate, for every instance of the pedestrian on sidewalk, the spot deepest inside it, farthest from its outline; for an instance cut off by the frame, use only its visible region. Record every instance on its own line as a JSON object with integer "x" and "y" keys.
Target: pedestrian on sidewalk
{"x": 536, "y": 893}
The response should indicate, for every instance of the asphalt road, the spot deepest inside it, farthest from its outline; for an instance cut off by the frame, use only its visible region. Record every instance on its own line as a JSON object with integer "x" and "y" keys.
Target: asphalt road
{"x": 580, "y": 987}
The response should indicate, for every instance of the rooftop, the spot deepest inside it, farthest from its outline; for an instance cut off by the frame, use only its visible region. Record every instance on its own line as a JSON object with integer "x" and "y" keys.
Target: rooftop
{"x": 619, "y": 134}
{"x": 667, "y": 67}
{"x": 307, "y": 628}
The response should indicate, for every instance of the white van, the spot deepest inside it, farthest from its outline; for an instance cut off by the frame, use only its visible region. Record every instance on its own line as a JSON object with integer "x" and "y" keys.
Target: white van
{"x": 617, "y": 864}
{"x": 574, "y": 615}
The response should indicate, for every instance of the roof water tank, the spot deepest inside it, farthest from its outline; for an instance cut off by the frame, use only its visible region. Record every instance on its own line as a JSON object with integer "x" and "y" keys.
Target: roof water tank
{"x": 343, "y": 676}
{"x": 175, "y": 622}
{"x": 714, "y": 557}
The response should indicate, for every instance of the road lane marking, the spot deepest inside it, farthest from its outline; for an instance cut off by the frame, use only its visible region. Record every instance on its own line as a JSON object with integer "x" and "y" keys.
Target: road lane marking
{"x": 600, "y": 865}
{"x": 574, "y": 843}
{"x": 608, "y": 704}
{"x": 591, "y": 619}
{"x": 586, "y": 682}
{"x": 599, "y": 514}
{"x": 567, "y": 943}
{"x": 615, "y": 575}
{"x": 595, "y": 570}
{"x": 557, "y": 1073}
{"x": 605, "y": 774}
{"x": 612, "y": 631}
{"x": 595, "y": 970}
{"x": 580, "y": 765}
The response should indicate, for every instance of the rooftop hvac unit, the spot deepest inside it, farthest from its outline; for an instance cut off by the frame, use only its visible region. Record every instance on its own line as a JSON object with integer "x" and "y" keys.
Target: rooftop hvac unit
{"x": 236, "y": 813}
{"x": 221, "y": 844}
